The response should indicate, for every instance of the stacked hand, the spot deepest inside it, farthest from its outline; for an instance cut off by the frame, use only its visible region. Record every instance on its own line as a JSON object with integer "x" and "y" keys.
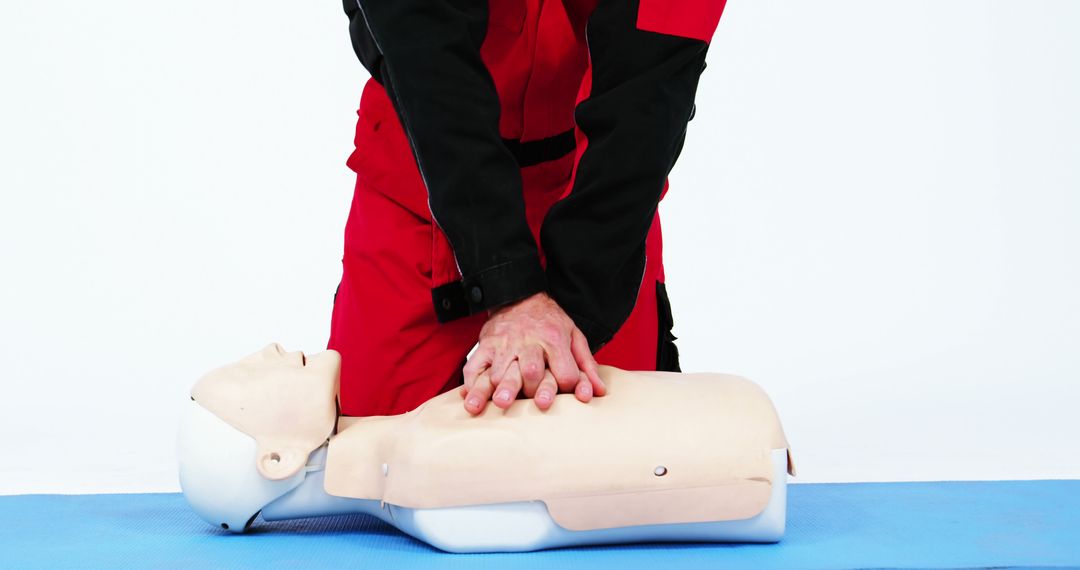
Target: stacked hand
{"x": 534, "y": 347}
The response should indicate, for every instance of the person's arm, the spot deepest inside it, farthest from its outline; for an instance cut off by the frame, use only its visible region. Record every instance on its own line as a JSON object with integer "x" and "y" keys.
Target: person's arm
{"x": 634, "y": 120}
{"x": 363, "y": 44}
{"x": 426, "y": 53}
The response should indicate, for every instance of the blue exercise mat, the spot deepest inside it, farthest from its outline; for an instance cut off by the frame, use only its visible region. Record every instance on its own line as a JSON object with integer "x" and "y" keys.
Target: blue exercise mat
{"x": 862, "y": 525}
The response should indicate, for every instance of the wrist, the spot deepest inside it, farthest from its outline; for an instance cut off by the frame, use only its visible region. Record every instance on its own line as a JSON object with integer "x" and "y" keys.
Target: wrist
{"x": 539, "y": 296}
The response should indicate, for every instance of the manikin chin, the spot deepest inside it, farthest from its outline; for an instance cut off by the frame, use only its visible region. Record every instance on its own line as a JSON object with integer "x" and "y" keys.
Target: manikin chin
{"x": 662, "y": 457}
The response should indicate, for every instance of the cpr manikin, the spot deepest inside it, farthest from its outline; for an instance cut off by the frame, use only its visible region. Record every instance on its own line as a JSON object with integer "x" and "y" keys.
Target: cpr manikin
{"x": 661, "y": 457}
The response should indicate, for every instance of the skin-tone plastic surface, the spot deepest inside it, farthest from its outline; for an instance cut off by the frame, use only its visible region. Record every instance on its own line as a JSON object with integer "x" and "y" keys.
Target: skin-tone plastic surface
{"x": 285, "y": 400}
{"x": 659, "y": 448}
{"x": 663, "y": 448}
{"x": 222, "y": 485}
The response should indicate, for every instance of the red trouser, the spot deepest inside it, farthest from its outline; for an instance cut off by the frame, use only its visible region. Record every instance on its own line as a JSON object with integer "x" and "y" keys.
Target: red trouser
{"x": 395, "y": 354}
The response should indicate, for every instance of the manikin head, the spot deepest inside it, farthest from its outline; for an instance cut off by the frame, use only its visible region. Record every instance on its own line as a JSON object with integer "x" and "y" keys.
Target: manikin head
{"x": 249, "y": 429}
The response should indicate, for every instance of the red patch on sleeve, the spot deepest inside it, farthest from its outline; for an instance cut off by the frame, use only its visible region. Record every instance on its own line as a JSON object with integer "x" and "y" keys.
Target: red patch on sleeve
{"x": 695, "y": 19}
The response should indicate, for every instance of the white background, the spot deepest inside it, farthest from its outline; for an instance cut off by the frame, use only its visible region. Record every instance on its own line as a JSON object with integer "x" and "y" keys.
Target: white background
{"x": 875, "y": 217}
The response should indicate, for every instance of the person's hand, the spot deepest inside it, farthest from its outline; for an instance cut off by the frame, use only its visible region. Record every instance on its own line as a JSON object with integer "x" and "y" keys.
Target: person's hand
{"x": 531, "y": 345}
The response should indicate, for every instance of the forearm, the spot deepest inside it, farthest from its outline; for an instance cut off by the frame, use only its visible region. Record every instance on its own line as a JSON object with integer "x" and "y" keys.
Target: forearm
{"x": 634, "y": 120}
{"x": 431, "y": 67}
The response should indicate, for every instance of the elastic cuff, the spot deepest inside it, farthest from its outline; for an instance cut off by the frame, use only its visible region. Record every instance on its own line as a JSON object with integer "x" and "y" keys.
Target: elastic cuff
{"x": 490, "y": 288}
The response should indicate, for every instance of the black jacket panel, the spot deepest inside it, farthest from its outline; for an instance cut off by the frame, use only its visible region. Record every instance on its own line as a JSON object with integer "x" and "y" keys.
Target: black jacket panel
{"x": 362, "y": 42}
{"x": 643, "y": 87}
{"x": 429, "y": 62}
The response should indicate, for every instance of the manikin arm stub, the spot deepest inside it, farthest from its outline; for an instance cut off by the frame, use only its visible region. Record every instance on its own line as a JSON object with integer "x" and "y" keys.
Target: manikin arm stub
{"x": 663, "y": 448}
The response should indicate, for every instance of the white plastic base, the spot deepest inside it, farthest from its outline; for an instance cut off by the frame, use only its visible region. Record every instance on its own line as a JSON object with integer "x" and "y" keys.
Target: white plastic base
{"x": 220, "y": 481}
{"x": 525, "y": 526}
{"x": 217, "y": 471}
{"x": 508, "y": 527}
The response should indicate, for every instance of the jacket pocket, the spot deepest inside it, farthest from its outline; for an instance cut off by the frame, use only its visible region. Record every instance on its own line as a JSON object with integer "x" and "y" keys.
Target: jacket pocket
{"x": 382, "y": 157}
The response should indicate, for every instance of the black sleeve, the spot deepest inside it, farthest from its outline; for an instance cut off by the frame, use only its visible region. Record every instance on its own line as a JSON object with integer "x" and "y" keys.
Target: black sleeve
{"x": 362, "y": 42}
{"x": 427, "y": 56}
{"x": 635, "y": 118}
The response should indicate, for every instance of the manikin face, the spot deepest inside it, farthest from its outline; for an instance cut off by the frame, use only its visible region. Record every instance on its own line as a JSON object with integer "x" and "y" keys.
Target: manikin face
{"x": 274, "y": 359}
{"x": 285, "y": 400}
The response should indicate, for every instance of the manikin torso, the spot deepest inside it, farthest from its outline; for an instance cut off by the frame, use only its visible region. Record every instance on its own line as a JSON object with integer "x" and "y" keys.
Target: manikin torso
{"x": 662, "y": 456}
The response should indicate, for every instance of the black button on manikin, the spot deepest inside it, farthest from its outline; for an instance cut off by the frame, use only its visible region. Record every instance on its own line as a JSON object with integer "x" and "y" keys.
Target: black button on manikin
{"x": 475, "y": 294}
{"x": 446, "y": 303}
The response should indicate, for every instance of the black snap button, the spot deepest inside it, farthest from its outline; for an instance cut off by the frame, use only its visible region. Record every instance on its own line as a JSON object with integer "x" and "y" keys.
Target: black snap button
{"x": 475, "y": 294}
{"x": 446, "y": 303}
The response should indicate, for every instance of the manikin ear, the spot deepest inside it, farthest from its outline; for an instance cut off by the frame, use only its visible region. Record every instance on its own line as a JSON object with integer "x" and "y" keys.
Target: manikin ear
{"x": 280, "y": 462}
